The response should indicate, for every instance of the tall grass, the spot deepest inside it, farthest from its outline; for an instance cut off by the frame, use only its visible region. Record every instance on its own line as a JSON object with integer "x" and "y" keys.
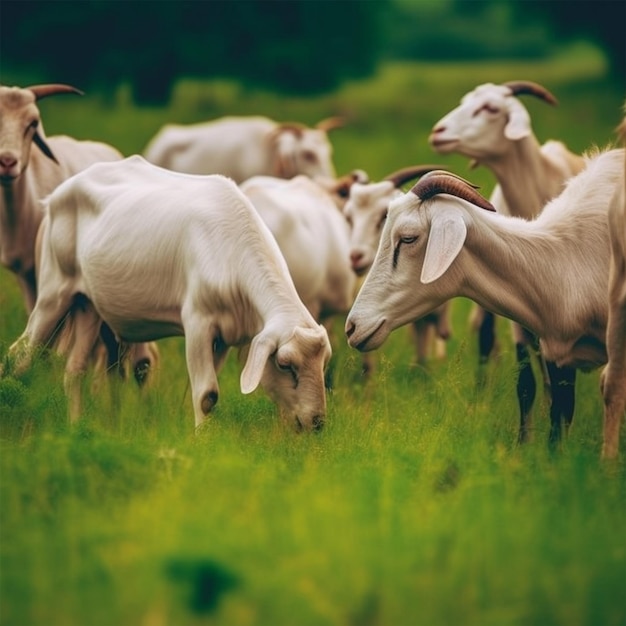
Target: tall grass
{"x": 413, "y": 507}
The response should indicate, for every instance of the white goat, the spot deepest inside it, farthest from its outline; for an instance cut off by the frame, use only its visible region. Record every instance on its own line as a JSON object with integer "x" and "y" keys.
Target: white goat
{"x": 212, "y": 272}
{"x": 312, "y": 236}
{"x": 613, "y": 380}
{"x": 493, "y": 128}
{"x": 366, "y": 212}
{"x": 242, "y": 147}
{"x": 27, "y": 176}
{"x": 550, "y": 275}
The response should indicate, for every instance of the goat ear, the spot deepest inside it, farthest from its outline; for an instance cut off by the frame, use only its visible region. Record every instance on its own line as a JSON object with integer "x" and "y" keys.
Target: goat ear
{"x": 40, "y": 142}
{"x": 518, "y": 125}
{"x": 446, "y": 238}
{"x": 261, "y": 348}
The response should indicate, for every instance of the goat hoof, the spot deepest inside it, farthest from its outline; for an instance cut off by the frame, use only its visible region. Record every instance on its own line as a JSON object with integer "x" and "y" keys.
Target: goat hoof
{"x": 209, "y": 401}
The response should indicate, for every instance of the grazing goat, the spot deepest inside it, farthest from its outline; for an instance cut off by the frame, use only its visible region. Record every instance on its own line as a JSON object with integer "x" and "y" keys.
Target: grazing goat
{"x": 550, "y": 275}
{"x": 613, "y": 380}
{"x": 27, "y": 176}
{"x": 366, "y": 212}
{"x": 212, "y": 272}
{"x": 242, "y": 147}
{"x": 492, "y": 127}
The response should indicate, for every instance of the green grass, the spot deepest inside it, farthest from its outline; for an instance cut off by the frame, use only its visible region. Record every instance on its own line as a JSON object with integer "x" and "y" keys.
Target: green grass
{"x": 414, "y": 507}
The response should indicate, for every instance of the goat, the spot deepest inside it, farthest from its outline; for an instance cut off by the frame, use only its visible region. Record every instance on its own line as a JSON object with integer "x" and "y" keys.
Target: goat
{"x": 27, "y": 176}
{"x": 312, "y": 236}
{"x": 366, "y": 212}
{"x": 492, "y": 127}
{"x": 613, "y": 379}
{"x": 242, "y": 147}
{"x": 213, "y": 273}
{"x": 532, "y": 272}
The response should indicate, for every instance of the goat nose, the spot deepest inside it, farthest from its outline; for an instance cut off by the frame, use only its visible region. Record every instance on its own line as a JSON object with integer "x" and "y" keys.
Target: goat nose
{"x": 437, "y": 130}
{"x": 350, "y": 328}
{"x": 7, "y": 161}
{"x": 355, "y": 256}
{"x": 317, "y": 423}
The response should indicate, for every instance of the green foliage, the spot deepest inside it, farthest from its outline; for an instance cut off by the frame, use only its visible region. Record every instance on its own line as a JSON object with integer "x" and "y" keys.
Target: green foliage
{"x": 413, "y": 506}
{"x": 292, "y": 47}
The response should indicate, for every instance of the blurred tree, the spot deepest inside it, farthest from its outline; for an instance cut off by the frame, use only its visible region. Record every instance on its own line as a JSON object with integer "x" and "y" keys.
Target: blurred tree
{"x": 600, "y": 21}
{"x": 286, "y": 45}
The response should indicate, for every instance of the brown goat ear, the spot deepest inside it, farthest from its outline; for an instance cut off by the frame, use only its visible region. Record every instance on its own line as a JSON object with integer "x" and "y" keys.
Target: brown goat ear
{"x": 330, "y": 123}
{"x": 44, "y": 147}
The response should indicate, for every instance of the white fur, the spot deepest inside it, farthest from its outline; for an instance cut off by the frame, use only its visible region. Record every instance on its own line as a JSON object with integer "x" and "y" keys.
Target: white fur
{"x": 242, "y": 147}
{"x": 208, "y": 269}
{"x": 313, "y": 237}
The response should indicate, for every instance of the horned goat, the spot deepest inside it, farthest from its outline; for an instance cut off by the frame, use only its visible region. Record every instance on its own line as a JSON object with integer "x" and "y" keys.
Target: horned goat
{"x": 439, "y": 242}
{"x": 213, "y": 273}
{"x": 493, "y": 128}
{"x": 242, "y": 147}
{"x": 366, "y": 212}
{"x": 27, "y": 176}
{"x": 613, "y": 380}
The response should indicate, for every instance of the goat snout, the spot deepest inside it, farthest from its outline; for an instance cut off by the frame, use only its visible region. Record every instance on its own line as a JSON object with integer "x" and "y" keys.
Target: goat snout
{"x": 315, "y": 424}
{"x": 358, "y": 263}
{"x": 8, "y": 165}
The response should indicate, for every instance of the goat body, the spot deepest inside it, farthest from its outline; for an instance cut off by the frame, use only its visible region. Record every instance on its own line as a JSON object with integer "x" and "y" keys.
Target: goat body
{"x": 312, "y": 236}
{"x": 208, "y": 269}
{"x": 550, "y": 275}
{"x": 242, "y": 147}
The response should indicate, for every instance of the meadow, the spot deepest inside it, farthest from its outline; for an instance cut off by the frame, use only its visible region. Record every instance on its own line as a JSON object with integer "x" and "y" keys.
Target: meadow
{"x": 413, "y": 507}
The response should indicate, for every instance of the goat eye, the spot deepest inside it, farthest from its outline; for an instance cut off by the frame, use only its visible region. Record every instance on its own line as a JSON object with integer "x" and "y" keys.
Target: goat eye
{"x": 289, "y": 368}
{"x": 32, "y": 126}
{"x": 309, "y": 156}
{"x": 487, "y": 107}
{"x": 408, "y": 239}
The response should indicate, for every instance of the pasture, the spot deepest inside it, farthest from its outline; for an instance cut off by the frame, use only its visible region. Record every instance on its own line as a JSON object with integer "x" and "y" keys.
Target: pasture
{"x": 413, "y": 507}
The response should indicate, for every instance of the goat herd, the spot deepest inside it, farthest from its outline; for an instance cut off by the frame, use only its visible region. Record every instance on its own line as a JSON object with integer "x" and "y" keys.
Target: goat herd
{"x": 249, "y": 239}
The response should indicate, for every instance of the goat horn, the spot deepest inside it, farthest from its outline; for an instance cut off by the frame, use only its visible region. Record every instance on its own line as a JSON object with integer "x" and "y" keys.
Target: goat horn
{"x": 520, "y": 87}
{"x": 330, "y": 123}
{"x": 442, "y": 182}
{"x": 41, "y": 91}
{"x": 402, "y": 176}
{"x": 447, "y": 173}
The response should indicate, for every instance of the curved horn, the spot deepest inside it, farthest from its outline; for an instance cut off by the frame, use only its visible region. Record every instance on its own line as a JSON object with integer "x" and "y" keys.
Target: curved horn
{"x": 42, "y": 91}
{"x": 442, "y": 182}
{"x": 521, "y": 87}
{"x": 330, "y": 123}
{"x": 402, "y": 176}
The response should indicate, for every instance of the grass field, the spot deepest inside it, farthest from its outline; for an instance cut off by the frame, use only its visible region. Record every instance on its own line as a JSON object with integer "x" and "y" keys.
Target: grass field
{"x": 414, "y": 506}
